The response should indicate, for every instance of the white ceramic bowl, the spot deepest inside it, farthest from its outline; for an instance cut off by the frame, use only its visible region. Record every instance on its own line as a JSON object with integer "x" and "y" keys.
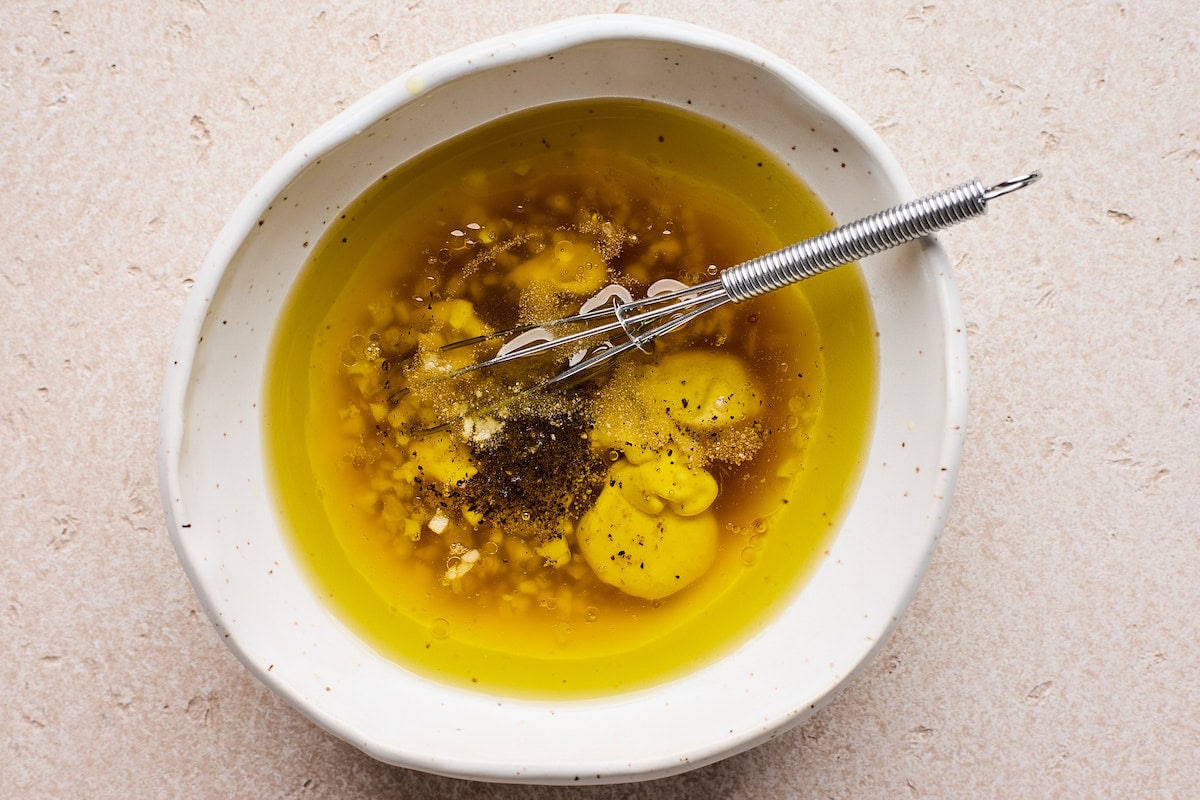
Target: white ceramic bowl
{"x": 228, "y": 536}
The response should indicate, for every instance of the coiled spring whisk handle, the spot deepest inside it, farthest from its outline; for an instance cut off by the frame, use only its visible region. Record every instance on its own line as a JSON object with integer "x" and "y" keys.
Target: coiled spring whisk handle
{"x": 865, "y": 237}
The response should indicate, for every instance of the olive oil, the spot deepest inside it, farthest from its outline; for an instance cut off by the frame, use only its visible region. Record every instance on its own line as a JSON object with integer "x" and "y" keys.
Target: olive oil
{"x": 478, "y": 557}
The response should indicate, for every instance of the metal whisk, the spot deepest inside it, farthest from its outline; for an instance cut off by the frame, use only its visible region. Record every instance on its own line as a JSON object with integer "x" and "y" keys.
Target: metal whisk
{"x": 644, "y": 320}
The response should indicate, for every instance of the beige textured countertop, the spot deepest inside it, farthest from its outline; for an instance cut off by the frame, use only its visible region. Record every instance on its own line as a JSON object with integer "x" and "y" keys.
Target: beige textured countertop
{"x": 1052, "y": 651}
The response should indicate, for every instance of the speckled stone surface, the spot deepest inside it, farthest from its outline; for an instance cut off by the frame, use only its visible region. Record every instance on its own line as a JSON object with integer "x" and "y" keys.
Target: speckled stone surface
{"x": 1053, "y": 650}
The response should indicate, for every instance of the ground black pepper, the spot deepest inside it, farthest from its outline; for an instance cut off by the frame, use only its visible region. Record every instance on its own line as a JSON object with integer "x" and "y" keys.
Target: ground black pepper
{"x": 540, "y": 470}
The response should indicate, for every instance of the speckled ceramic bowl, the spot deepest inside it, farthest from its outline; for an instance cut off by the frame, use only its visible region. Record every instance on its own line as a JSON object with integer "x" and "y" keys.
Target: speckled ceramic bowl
{"x": 227, "y": 533}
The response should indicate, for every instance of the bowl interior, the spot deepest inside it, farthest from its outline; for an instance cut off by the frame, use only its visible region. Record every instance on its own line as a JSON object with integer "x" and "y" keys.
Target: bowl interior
{"x": 215, "y": 487}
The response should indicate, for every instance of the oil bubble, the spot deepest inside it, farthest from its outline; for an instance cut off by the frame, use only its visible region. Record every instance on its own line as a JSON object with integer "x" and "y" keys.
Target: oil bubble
{"x": 591, "y": 613}
{"x": 749, "y": 556}
{"x": 439, "y": 628}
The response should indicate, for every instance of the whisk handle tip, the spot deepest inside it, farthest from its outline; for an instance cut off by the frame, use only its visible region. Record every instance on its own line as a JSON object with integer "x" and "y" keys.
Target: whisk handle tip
{"x": 1011, "y": 185}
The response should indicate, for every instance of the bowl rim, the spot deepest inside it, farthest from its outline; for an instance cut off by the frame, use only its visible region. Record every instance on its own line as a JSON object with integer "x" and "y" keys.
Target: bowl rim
{"x": 391, "y": 97}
